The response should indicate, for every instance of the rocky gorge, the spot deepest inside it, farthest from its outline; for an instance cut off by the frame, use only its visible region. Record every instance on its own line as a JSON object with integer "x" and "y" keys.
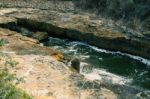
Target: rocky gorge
{"x": 25, "y": 24}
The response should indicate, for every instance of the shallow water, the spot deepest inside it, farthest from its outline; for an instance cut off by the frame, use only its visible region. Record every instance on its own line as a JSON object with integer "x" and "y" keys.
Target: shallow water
{"x": 116, "y": 67}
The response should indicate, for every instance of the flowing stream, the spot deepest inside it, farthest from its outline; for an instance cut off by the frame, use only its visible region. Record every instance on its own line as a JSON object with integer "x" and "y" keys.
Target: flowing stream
{"x": 99, "y": 64}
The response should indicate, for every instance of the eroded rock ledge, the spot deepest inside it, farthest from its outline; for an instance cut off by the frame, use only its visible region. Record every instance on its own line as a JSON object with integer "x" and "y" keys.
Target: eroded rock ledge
{"x": 75, "y": 26}
{"x": 37, "y": 63}
{"x": 39, "y": 71}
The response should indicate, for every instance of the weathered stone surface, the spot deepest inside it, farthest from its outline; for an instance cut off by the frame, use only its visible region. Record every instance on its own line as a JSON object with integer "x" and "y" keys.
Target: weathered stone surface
{"x": 79, "y": 27}
{"x": 39, "y": 70}
{"x": 40, "y": 35}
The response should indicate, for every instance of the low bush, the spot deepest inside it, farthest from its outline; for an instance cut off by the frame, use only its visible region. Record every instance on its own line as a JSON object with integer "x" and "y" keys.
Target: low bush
{"x": 2, "y": 42}
{"x": 7, "y": 90}
{"x": 127, "y": 9}
{"x": 12, "y": 63}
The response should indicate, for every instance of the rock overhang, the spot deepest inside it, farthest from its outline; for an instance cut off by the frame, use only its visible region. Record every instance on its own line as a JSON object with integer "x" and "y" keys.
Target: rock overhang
{"x": 75, "y": 26}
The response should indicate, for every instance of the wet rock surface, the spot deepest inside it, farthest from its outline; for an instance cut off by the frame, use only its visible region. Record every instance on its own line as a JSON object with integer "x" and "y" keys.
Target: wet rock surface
{"x": 75, "y": 63}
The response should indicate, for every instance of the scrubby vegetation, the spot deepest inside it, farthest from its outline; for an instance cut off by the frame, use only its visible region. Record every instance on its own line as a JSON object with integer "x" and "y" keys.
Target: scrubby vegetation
{"x": 2, "y": 42}
{"x": 118, "y": 8}
{"x": 7, "y": 90}
{"x": 128, "y": 14}
{"x": 11, "y": 62}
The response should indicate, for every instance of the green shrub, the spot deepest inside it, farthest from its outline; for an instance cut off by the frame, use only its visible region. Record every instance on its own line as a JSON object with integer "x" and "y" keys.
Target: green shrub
{"x": 7, "y": 90}
{"x": 2, "y": 42}
{"x": 12, "y": 63}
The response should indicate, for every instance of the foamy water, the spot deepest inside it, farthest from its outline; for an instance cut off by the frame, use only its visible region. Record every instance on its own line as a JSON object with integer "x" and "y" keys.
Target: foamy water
{"x": 102, "y": 75}
{"x": 107, "y": 66}
{"x": 141, "y": 59}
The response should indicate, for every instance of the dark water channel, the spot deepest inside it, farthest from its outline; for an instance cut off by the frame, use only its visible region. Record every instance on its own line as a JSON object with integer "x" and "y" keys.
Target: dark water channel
{"x": 116, "y": 67}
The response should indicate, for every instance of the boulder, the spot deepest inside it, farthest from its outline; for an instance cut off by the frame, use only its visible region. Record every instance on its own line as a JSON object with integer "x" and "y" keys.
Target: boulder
{"x": 40, "y": 35}
{"x": 75, "y": 63}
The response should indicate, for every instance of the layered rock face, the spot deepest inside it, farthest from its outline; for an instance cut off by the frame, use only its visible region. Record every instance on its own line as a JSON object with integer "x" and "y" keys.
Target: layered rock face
{"x": 60, "y": 18}
{"x": 81, "y": 27}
